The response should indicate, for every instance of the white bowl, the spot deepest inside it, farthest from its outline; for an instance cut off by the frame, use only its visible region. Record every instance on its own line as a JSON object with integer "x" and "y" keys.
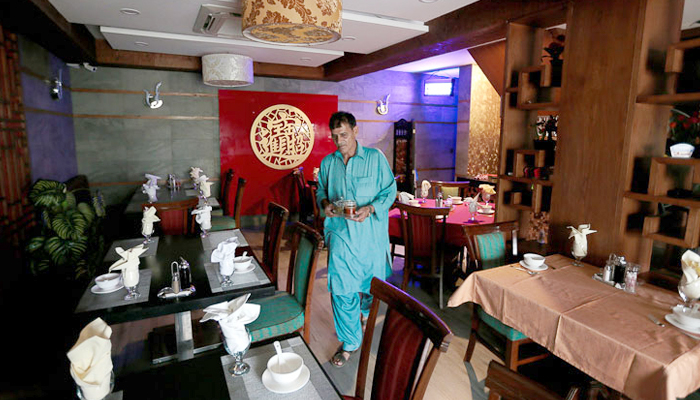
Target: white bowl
{"x": 687, "y": 316}
{"x": 414, "y": 203}
{"x": 242, "y": 263}
{"x": 533, "y": 260}
{"x": 287, "y": 370}
{"x": 108, "y": 281}
{"x": 682, "y": 150}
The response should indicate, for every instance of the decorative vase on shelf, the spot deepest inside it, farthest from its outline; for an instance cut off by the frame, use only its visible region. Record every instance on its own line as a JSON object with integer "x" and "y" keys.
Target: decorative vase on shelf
{"x": 681, "y": 149}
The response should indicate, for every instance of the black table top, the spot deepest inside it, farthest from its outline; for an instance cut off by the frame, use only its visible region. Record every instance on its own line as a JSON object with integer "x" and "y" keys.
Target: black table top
{"x": 170, "y": 248}
{"x": 197, "y": 378}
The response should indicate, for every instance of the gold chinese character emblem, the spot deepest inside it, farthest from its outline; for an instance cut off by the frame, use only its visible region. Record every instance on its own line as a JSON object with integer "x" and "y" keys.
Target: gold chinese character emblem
{"x": 282, "y": 136}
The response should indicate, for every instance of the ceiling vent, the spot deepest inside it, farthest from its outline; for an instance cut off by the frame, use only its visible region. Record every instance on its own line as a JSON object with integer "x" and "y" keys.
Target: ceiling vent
{"x": 212, "y": 17}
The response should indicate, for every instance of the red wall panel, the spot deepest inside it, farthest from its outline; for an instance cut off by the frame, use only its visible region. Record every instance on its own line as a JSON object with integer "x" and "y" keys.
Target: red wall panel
{"x": 237, "y": 111}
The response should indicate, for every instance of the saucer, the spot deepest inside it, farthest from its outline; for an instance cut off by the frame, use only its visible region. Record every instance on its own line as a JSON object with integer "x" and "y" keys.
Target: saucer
{"x": 457, "y": 203}
{"x": 97, "y": 290}
{"x": 540, "y": 268}
{"x": 675, "y": 322}
{"x": 487, "y": 211}
{"x": 250, "y": 268}
{"x": 290, "y": 387}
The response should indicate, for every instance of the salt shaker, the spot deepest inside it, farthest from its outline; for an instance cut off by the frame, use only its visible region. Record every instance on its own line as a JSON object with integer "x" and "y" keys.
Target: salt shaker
{"x": 631, "y": 278}
{"x": 438, "y": 200}
{"x": 176, "y": 277}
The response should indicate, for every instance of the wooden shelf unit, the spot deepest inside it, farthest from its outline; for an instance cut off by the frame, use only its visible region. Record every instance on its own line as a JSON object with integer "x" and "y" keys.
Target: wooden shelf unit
{"x": 528, "y": 88}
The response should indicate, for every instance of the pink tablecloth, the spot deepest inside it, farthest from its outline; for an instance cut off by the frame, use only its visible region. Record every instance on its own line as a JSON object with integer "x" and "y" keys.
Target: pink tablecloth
{"x": 600, "y": 330}
{"x": 458, "y": 216}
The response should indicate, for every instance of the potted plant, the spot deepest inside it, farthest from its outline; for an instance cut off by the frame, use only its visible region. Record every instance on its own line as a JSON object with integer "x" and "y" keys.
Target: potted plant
{"x": 546, "y": 134}
{"x": 684, "y": 129}
{"x": 554, "y": 51}
{"x": 69, "y": 242}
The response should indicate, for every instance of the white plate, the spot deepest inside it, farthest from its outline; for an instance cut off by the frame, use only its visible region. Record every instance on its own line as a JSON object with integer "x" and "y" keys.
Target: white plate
{"x": 675, "y": 322}
{"x": 540, "y": 268}
{"x": 97, "y": 290}
{"x": 457, "y": 203}
{"x": 250, "y": 268}
{"x": 276, "y": 387}
{"x": 487, "y": 211}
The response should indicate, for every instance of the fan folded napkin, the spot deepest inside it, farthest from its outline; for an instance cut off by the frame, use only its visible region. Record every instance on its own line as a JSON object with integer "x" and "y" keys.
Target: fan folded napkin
{"x": 129, "y": 264}
{"x": 203, "y": 217}
{"x": 194, "y": 172}
{"x": 580, "y": 247}
{"x": 91, "y": 360}
{"x": 690, "y": 263}
{"x": 152, "y": 180}
{"x": 488, "y": 189}
{"x": 424, "y": 187}
{"x": 404, "y": 197}
{"x": 224, "y": 254}
{"x": 149, "y": 217}
{"x": 233, "y": 316}
{"x": 150, "y": 191}
{"x": 204, "y": 186}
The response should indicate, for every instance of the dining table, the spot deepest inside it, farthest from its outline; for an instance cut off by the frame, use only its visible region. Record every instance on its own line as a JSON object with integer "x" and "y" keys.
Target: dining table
{"x": 166, "y": 196}
{"x": 459, "y": 215}
{"x": 606, "y": 332}
{"x": 206, "y": 376}
{"x": 155, "y": 274}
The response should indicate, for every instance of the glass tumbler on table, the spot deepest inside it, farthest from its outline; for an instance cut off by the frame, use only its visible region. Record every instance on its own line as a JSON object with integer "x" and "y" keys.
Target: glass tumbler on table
{"x": 131, "y": 281}
{"x": 239, "y": 367}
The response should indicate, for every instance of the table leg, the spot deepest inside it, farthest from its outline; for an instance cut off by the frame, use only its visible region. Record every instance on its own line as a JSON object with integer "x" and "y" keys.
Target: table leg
{"x": 183, "y": 335}
{"x": 183, "y": 338}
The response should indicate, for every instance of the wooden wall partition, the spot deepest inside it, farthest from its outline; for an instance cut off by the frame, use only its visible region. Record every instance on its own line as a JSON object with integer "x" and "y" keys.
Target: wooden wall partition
{"x": 604, "y": 134}
{"x": 16, "y": 217}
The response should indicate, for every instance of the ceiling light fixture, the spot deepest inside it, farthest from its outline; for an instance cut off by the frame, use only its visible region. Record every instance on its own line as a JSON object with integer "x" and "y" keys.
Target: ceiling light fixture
{"x": 129, "y": 11}
{"x": 227, "y": 70}
{"x": 141, "y": 44}
{"x": 309, "y": 22}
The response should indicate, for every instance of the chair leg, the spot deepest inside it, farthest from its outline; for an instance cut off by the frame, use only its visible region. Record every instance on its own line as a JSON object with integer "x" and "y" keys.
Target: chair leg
{"x": 511, "y": 356}
{"x": 440, "y": 283}
{"x": 406, "y": 275}
{"x": 472, "y": 336}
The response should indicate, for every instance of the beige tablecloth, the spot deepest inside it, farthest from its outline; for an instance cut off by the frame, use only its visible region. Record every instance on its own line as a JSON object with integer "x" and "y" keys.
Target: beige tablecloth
{"x": 600, "y": 330}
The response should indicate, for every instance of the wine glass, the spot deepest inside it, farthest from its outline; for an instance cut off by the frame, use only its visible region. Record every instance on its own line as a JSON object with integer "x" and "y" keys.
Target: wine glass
{"x": 578, "y": 256}
{"x": 131, "y": 281}
{"x": 84, "y": 396}
{"x": 486, "y": 197}
{"x": 226, "y": 270}
{"x": 148, "y": 237}
{"x": 239, "y": 367}
{"x": 205, "y": 232}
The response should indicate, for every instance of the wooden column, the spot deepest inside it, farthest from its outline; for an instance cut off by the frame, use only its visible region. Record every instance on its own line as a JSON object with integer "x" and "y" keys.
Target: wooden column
{"x": 604, "y": 135}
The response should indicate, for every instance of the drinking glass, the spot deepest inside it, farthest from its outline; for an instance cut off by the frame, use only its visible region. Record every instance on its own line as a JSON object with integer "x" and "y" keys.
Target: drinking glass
{"x": 486, "y": 198}
{"x": 148, "y": 238}
{"x": 131, "y": 281}
{"x": 82, "y": 396}
{"x": 239, "y": 367}
{"x": 226, "y": 270}
{"x": 578, "y": 257}
{"x": 205, "y": 232}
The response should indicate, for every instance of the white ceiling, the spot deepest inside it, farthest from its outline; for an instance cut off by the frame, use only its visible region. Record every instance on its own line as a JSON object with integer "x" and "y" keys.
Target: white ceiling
{"x": 166, "y": 26}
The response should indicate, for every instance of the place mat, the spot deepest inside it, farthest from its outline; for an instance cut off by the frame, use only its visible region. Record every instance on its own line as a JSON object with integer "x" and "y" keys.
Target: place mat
{"x": 115, "y": 396}
{"x": 210, "y": 242}
{"x": 250, "y": 386}
{"x": 91, "y": 301}
{"x": 129, "y": 243}
{"x": 248, "y": 279}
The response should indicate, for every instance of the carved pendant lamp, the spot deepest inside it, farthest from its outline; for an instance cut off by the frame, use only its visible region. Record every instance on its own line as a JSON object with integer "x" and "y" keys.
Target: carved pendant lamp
{"x": 292, "y": 22}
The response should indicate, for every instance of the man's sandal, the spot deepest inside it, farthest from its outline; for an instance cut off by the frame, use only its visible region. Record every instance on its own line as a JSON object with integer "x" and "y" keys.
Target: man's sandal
{"x": 341, "y": 357}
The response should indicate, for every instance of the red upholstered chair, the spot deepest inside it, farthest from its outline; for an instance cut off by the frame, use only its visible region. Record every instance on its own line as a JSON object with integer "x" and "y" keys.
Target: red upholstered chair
{"x": 175, "y": 217}
{"x": 274, "y": 230}
{"x": 409, "y": 346}
{"x": 427, "y": 254}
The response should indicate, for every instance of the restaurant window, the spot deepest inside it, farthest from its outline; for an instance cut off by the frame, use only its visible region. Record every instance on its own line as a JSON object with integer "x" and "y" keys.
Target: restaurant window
{"x": 438, "y": 87}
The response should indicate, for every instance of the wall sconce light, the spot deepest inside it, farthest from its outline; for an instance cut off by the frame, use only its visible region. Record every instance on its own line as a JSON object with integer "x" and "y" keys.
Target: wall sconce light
{"x": 154, "y": 101}
{"x": 383, "y": 105}
{"x": 57, "y": 87}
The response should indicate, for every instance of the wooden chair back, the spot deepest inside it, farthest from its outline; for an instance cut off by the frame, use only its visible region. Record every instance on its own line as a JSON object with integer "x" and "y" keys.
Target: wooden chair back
{"x": 226, "y": 191}
{"x": 409, "y": 345}
{"x": 274, "y": 230}
{"x": 306, "y": 244}
{"x": 472, "y": 232}
{"x": 175, "y": 217}
{"x": 303, "y": 192}
{"x": 463, "y": 187}
{"x": 505, "y": 384}
{"x": 424, "y": 236}
{"x": 318, "y": 213}
{"x": 238, "y": 202}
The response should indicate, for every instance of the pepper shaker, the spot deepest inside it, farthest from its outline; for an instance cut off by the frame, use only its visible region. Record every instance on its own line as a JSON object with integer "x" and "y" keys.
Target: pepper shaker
{"x": 185, "y": 274}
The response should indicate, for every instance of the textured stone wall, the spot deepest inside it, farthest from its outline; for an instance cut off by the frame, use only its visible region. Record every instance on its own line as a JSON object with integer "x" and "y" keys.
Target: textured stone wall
{"x": 484, "y": 125}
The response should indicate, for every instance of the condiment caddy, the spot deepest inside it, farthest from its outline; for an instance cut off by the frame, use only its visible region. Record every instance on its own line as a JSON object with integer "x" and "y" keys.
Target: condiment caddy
{"x": 619, "y": 273}
{"x": 181, "y": 285}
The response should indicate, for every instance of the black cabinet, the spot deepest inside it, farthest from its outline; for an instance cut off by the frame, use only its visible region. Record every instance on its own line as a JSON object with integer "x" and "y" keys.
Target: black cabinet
{"x": 404, "y": 155}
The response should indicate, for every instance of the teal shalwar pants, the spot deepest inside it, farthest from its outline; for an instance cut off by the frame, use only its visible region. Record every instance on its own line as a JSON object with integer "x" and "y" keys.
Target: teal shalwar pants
{"x": 346, "y": 316}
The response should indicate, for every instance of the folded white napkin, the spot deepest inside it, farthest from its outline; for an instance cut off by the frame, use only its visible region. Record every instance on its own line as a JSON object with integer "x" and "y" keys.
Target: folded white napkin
{"x": 580, "y": 247}
{"x": 224, "y": 254}
{"x": 203, "y": 217}
{"x": 232, "y": 317}
{"x": 424, "y": 188}
{"x": 488, "y": 189}
{"x": 152, "y": 179}
{"x": 150, "y": 192}
{"x": 149, "y": 217}
{"x": 690, "y": 263}
{"x": 129, "y": 264}
{"x": 204, "y": 186}
{"x": 404, "y": 197}
{"x": 194, "y": 172}
{"x": 91, "y": 360}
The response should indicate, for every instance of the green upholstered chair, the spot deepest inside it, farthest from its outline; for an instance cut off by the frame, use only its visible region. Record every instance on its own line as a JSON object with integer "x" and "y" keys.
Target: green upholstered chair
{"x": 290, "y": 311}
{"x": 233, "y": 220}
{"x": 274, "y": 230}
{"x": 450, "y": 188}
{"x": 226, "y": 183}
{"x": 427, "y": 253}
{"x": 486, "y": 246}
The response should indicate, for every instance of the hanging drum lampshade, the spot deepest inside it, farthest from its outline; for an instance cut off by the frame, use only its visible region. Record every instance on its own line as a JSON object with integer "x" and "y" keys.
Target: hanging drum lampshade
{"x": 288, "y": 22}
{"x": 227, "y": 70}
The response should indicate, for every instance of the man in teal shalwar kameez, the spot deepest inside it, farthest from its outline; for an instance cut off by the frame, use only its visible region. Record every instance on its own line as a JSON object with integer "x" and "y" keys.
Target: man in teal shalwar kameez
{"x": 358, "y": 249}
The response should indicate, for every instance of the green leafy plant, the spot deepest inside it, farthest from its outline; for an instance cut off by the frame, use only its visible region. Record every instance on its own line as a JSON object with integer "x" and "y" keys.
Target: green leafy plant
{"x": 68, "y": 229}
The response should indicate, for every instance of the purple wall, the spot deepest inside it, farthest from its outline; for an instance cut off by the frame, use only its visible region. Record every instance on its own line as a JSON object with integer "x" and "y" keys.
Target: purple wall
{"x": 50, "y": 133}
